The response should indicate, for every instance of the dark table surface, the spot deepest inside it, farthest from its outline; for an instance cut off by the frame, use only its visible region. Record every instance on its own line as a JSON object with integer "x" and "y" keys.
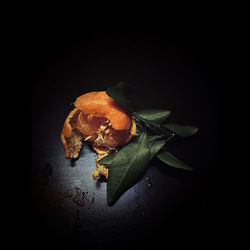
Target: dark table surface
{"x": 175, "y": 68}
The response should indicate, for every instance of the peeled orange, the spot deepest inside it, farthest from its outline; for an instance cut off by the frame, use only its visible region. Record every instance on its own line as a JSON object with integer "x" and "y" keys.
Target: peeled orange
{"x": 102, "y": 121}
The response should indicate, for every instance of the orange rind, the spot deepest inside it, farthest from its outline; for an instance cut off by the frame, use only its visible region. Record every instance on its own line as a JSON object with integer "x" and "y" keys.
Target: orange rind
{"x": 100, "y": 120}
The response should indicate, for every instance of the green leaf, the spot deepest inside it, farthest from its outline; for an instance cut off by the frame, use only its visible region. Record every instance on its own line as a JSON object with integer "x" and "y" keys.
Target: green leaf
{"x": 154, "y": 115}
{"x": 107, "y": 160}
{"x": 155, "y": 144}
{"x": 139, "y": 126}
{"x": 152, "y": 126}
{"x": 128, "y": 166}
{"x": 121, "y": 93}
{"x": 169, "y": 159}
{"x": 181, "y": 130}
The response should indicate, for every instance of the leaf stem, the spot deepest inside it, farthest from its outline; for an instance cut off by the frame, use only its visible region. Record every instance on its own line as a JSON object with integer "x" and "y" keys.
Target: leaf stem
{"x": 148, "y": 122}
{"x": 170, "y": 137}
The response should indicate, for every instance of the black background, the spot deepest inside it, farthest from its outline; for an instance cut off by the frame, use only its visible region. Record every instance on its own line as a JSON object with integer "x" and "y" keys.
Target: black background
{"x": 175, "y": 67}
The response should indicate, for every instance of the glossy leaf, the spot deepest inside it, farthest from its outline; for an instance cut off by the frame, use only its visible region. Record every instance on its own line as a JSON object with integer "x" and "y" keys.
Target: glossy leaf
{"x": 181, "y": 130}
{"x": 170, "y": 160}
{"x": 121, "y": 92}
{"x": 155, "y": 143}
{"x": 154, "y": 115}
{"x": 107, "y": 160}
{"x": 139, "y": 126}
{"x": 128, "y": 166}
{"x": 154, "y": 128}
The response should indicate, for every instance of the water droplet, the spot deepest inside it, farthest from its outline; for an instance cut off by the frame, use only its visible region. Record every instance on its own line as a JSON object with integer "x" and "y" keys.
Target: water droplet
{"x": 149, "y": 182}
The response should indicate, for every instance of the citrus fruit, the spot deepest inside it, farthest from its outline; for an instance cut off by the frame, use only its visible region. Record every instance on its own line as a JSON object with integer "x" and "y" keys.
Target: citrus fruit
{"x": 100, "y": 120}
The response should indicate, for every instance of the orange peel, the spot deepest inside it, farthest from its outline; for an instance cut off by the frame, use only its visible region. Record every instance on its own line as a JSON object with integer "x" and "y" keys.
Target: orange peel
{"x": 98, "y": 103}
{"x": 102, "y": 121}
